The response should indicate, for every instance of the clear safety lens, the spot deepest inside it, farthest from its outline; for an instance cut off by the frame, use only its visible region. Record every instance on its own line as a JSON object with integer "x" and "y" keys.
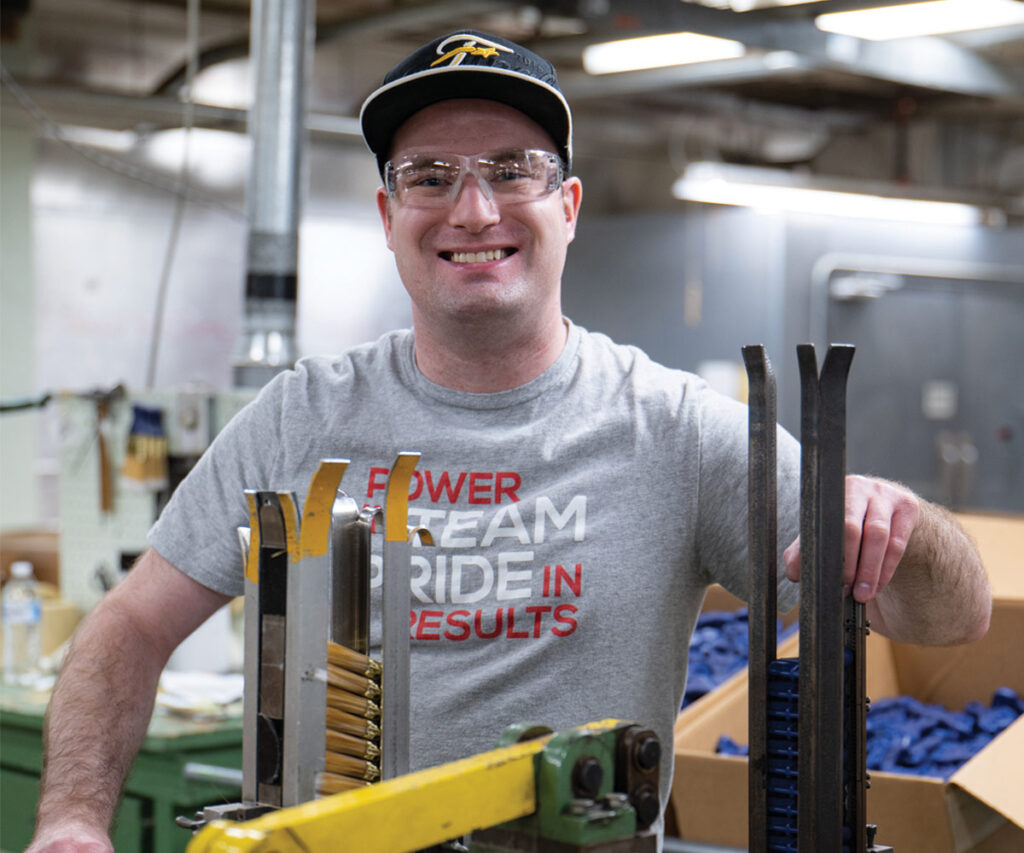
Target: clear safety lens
{"x": 434, "y": 180}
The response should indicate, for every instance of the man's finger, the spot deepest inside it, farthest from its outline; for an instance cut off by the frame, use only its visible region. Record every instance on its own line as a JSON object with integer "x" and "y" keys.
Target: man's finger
{"x": 791, "y": 560}
{"x": 856, "y": 507}
{"x": 904, "y": 520}
{"x": 874, "y": 542}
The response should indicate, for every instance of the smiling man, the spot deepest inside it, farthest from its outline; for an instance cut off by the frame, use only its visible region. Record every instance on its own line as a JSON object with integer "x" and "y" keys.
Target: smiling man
{"x": 479, "y": 213}
{"x": 582, "y": 497}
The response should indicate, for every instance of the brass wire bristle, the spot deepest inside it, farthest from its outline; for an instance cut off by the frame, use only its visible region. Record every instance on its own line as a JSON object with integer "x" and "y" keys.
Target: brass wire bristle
{"x": 350, "y": 724}
{"x": 349, "y": 745}
{"x": 352, "y": 704}
{"x": 335, "y": 783}
{"x": 353, "y": 661}
{"x": 357, "y": 684}
{"x": 347, "y": 765}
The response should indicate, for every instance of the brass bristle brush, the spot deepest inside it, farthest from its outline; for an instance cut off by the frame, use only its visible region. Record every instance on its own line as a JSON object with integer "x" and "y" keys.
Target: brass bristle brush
{"x": 352, "y": 754}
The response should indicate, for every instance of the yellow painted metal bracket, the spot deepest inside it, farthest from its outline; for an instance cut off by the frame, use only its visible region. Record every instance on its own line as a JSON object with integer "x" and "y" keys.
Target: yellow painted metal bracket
{"x": 403, "y": 814}
{"x": 396, "y": 500}
{"x": 290, "y": 518}
{"x": 316, "y": 512}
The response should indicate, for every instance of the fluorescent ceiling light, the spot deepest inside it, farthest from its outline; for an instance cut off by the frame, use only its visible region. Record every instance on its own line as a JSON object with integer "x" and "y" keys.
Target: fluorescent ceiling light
{"x": 922, "y": 19}
{"x": 715, "y": 183}
{"x": 226, "y": 84}
{"x": 121, "y": 141}
{"x": 657, "y": 52}
{"x": 217, "y": 159}
{"x": 751, "y": 5}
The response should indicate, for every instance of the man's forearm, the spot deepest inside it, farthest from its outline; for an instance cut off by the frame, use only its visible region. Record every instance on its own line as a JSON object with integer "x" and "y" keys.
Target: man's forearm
{"x": 939, "y": 593}
{"x": 97, "y": 719}
{"x": 103, "y": 701}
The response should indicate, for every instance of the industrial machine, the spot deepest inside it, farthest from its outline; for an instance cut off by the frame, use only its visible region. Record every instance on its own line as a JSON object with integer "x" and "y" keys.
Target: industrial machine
{"x": 323, "y": 721}
{"x": 807, "y": 767}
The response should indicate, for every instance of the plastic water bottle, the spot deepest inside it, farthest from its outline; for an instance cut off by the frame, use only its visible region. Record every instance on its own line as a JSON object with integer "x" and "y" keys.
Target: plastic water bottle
{"x": 22, "y": 614}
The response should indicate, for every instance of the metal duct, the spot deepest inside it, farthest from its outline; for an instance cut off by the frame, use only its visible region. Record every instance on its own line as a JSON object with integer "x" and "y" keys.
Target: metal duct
{"x": 281, "y": 49}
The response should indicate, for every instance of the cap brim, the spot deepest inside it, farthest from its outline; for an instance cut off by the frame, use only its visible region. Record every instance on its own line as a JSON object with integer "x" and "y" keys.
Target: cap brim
{"x": 389, "y": 107}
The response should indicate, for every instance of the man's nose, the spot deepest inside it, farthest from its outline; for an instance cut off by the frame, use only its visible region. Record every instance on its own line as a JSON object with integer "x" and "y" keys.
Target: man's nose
{"x": 474, "y": 207}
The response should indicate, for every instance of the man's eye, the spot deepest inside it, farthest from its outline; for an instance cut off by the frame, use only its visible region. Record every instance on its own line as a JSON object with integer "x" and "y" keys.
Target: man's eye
{"x": 510, "y": 172}
{"x": 428, "y": 179}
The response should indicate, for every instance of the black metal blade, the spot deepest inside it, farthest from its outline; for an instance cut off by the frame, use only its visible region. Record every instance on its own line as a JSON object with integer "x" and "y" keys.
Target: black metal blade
{"x": 762, "y": 593}
{"x": 822, "y": 508}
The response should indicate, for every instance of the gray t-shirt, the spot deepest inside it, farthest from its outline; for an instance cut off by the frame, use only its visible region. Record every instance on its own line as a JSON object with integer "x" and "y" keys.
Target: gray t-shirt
{"x": 578, "y": 520}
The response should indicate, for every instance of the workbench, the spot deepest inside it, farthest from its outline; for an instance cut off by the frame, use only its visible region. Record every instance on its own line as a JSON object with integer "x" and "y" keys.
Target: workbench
{"x": 156, "y": 791}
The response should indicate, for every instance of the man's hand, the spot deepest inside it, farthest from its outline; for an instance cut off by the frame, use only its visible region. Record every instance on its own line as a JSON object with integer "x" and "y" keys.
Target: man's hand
{"x": 911, "y": 563}
{"x": 880, "y": 517}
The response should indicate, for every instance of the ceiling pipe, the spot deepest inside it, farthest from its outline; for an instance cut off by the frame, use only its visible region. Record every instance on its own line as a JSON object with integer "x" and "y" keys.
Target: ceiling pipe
{"x": 282, "y": 34}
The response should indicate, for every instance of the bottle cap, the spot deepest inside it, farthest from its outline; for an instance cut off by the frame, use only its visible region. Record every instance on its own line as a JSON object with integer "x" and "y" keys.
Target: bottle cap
{"x": 21, "y": 569}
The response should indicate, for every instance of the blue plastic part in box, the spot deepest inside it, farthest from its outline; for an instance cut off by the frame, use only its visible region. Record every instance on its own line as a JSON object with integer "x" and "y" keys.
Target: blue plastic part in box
{"x": 719, "y": 648}
{"x": 905, "y": 735}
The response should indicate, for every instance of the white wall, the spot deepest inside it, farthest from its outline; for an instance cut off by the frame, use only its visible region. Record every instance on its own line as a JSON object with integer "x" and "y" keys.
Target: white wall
{"x": 88, "y": 280}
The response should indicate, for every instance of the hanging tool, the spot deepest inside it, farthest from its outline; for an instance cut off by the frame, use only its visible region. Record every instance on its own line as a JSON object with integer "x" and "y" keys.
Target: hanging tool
{"x": 102, "y": 400}
{"x": 145, "y": 458}
{"x": 807, "y": 716}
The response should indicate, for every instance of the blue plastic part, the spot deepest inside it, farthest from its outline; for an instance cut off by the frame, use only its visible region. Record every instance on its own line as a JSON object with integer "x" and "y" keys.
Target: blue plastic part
{"x": 904, "y": 735}
{"x": 719, "y": 648}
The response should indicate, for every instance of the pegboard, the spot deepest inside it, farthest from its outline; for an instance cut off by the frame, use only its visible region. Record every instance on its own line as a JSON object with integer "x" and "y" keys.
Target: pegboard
{"x": 94, "y": 542}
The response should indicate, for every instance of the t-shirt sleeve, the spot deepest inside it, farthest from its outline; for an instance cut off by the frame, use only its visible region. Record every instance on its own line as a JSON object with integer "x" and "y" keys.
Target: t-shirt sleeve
{"x": 723, "y": 505}
{"x": 198, "y": 529}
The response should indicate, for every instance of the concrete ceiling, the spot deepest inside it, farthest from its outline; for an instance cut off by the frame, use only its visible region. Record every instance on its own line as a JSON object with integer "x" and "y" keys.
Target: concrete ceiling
{"x": 946, "y": 113}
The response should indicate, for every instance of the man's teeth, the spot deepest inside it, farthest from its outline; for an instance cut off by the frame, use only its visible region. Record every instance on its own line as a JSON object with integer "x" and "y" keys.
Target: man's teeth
{"x": 479, "y": 257}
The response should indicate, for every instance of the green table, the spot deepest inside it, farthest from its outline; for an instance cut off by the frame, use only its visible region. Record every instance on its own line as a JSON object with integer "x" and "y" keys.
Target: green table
{"x": 156, "y": 790}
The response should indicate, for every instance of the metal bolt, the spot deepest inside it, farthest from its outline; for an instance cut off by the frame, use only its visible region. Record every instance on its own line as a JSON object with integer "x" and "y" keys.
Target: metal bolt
{"x": 647, "y": 806}
{"x": 587, "y": 776}
{"x": 647, "y": 752}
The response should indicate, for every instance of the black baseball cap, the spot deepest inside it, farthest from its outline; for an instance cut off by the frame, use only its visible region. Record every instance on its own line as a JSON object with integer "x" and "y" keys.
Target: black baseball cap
{"x": 467, "y": 64}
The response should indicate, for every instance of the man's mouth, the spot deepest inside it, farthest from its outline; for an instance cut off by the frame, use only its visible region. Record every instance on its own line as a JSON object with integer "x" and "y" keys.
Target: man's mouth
{"x": 477, "y": 257}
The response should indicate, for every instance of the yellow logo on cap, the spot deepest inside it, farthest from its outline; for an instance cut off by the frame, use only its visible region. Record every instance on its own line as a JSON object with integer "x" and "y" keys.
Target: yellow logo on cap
{"x": 471, "y": 46}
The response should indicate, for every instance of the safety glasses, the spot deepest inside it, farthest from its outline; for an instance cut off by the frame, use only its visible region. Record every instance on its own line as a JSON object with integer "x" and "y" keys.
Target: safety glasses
{"x": 507, "y": 177}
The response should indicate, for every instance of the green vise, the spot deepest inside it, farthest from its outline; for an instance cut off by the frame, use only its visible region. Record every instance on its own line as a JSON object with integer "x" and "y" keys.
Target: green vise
{"x": 597, "y": 792}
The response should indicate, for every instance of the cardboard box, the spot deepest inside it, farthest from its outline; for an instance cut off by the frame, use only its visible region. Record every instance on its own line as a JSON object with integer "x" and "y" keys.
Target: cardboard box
{"x": 60, "y": 618}
{"x": 40, "y": 547}
{"x": 1000, "y": 541}
{"x": 980, "y": 809}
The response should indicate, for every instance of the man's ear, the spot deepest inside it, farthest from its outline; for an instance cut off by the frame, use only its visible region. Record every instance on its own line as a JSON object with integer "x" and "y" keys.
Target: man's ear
{"x": 385, "y": 214}
{"x": 572, "y": 196}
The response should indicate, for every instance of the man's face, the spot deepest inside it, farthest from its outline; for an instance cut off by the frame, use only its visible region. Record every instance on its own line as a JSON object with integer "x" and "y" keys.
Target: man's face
{"x": 477, "y": 259}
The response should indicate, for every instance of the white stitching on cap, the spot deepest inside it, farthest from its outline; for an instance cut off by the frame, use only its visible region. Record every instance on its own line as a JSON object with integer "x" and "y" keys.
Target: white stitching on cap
{"x": 459, "y": 54}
